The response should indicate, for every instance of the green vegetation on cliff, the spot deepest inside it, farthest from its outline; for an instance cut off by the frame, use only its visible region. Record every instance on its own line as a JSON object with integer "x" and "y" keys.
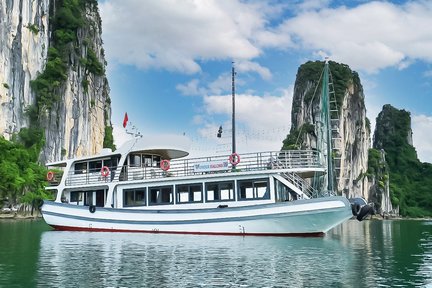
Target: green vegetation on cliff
{"x": 410, "y": 180}
{"x": 22, "y": 179}
{"x": 68, "y": 16}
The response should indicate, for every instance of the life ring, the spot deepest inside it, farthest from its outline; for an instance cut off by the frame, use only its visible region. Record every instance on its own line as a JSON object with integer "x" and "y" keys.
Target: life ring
{"x": 165, "y": 165}
{"x": 50, "y": 176}
{"x": 234, "y": 159}
{"x": 105, "y": 171}
{"x": 92, "y": 208}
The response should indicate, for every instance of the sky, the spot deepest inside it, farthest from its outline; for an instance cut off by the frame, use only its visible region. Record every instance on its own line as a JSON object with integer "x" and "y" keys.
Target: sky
{"x": 169, "y": 64}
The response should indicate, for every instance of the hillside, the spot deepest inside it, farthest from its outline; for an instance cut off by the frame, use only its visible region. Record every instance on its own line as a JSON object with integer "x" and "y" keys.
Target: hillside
{"x": 410, "y": 180}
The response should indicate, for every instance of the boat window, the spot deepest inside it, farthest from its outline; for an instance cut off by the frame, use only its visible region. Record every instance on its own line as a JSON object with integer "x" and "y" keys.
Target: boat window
{"x": 111, "y": 163}
{"x": 283, "y": 192}
{"x": 189, "y": 193}
{"x": 134, "y": 197}
{"x": 147, "y": 160}
{"x": 219, "y": 191}
{"x": 151, "y": 160}
{"x": 161, "y": 195}
{"x": 253, "y": 189}
{"x": 76, "y": 197}
{"x": 95, "y": 166}
{"x": 88, "y": 198}
{"x": 80, "y": 168}
{"x": 135, "y": 160}
{"x": 156, "y": 161}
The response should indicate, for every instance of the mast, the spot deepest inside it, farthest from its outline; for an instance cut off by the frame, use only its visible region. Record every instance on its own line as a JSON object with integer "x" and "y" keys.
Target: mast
{"x": 233, "y": 109}
{"x": 327, "y": 124}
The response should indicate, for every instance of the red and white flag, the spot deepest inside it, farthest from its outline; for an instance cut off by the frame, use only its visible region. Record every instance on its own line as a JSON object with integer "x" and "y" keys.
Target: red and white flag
{"x": 125, "y": 120}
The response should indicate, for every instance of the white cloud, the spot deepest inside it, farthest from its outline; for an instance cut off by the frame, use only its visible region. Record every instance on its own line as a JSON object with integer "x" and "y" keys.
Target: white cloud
{"x": 255, "y": 112}
{"x": 177, "y": 35}
{"x": 422, "y": 137}
{"x": 246, "y": 66}
{"x": 262, "y": 122}
{"x": 191, "y": 88}
{"x": 218, "y": 86}
{"x": 369, "y": 37}
{"x": 173, "y": 34}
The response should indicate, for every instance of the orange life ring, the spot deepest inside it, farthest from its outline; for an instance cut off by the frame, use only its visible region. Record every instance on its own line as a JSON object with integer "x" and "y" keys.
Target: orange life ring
{"x": 50, "y": 176}
{"x": 234, "y": 159}
{"x": 105, "y": 171}
{"x": 165, "y": 165}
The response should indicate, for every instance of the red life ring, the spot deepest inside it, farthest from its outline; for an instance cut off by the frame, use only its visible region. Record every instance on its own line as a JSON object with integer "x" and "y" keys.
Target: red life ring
{"x": 50, "y": 176}
{"x": 234, "y": 159}
{"x": 165, "y": 165}
{"x": 105, "y": 171}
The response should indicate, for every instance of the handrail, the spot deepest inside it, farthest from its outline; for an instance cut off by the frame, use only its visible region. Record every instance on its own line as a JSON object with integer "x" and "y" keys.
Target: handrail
{"x": 271, "y": 160}
{"x": 303, "y": 185}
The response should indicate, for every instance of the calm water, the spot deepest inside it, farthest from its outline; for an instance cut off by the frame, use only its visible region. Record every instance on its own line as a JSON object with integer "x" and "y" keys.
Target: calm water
{"x": 366, "y": 254}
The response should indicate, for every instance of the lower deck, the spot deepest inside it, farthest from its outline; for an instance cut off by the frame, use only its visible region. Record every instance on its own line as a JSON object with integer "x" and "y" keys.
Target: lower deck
{"x": 195, "y": 193}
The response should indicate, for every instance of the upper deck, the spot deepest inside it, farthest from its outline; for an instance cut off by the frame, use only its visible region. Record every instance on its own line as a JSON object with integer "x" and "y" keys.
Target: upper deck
{"x": 303, "y": 162}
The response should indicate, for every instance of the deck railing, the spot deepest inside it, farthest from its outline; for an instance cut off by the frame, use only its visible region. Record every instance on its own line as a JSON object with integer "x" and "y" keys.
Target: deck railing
{"x": 290, "y": 159}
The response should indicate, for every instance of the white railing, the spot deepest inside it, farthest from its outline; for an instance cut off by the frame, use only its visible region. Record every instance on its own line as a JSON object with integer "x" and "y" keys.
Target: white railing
{"x": 290, "y": 159}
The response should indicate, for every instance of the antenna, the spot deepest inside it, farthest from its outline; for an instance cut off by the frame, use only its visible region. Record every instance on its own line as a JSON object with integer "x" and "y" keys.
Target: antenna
{"x": 134, "y": 131}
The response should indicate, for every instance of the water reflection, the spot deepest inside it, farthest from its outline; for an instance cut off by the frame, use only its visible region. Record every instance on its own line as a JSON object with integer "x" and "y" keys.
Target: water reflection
{"x": 353, "y": 255}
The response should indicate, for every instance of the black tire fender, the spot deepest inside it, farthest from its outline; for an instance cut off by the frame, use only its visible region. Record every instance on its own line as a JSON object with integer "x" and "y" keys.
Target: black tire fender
{"x": 92, "y": 208}
{"x": 364, "y": 211}
{"x": 355, "y": 209}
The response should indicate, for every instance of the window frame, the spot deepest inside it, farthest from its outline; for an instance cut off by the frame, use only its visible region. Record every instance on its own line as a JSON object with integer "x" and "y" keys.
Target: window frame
{"x": 134, "y": 196}
{"x": 149, "y": 192}
{"x": 219, "y": 183}
{"x": 254, "y": 191}
{"x": 177, "y": 195}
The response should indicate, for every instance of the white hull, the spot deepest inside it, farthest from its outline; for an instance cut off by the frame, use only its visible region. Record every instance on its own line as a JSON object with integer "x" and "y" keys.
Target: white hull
{"x": 303, "y": 217}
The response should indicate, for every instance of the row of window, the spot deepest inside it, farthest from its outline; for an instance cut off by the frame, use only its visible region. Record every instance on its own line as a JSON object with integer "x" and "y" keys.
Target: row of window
{"x": 95, "y": 166}
{"x": 144, "y": 160}
{"x": 193, "y": 193}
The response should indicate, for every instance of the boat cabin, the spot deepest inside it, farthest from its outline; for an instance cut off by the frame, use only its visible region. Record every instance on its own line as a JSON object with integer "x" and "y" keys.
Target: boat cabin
{"x": 150, "y": 178}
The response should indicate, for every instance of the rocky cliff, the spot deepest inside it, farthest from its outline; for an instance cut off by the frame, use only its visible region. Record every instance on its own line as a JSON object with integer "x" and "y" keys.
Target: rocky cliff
{"x": 410, "y": 180}
{"x": 353, "y": 129}
{"x": 23, "y": 50}
{"x": 53, "y": 75}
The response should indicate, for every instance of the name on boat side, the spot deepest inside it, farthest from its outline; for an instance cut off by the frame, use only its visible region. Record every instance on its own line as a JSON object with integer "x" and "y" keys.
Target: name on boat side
{"x": 211, "y": 166}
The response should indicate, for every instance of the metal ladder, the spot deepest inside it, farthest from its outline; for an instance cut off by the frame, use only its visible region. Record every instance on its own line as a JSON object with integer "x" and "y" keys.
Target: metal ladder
{"x": 336, "y": 137}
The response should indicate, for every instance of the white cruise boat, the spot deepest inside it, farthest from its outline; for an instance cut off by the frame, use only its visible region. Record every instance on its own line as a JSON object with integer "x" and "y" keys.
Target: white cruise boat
{"x": 153, "y": 187}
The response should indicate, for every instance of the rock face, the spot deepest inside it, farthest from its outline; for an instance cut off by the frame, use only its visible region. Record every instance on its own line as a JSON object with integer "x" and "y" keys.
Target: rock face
{"x": 352, "y": 139}
{"x": 75, "y": 124}
{"x": 23, "y": 50}
{"x": 410, "y": 179}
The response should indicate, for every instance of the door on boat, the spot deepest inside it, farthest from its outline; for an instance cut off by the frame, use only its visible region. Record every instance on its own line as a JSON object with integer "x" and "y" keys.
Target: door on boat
{"x": 100, "y": 198}
{"x": 95, "y": 198}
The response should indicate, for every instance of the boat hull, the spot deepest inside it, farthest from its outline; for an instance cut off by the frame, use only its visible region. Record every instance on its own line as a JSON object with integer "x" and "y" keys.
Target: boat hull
{"x": 312, "y": 217}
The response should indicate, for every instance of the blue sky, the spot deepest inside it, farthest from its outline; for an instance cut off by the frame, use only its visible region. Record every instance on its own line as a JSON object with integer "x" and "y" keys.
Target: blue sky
{"x": 169, "y": 64}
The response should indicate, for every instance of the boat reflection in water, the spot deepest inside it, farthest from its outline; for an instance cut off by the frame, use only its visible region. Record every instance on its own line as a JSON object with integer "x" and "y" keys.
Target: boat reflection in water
{"x": 355, "y": 254}
{"x": 69, "y": 259}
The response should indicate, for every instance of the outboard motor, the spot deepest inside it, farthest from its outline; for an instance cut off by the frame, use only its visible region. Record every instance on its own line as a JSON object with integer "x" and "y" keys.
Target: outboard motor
{"x": 361, "y": 209}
